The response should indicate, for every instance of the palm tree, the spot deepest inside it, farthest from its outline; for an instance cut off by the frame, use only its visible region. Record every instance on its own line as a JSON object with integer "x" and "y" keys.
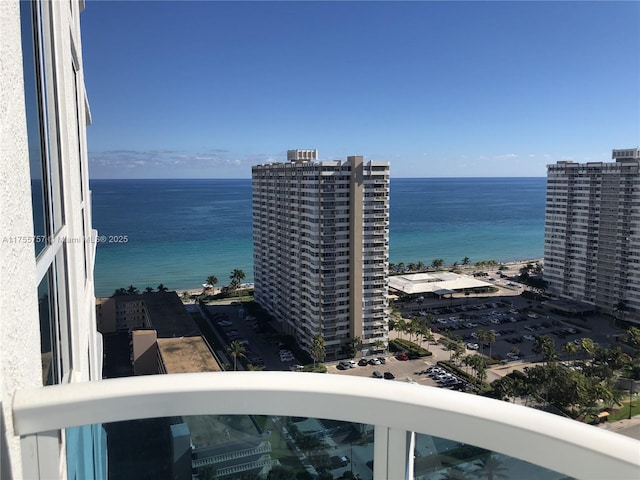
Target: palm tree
{"x": 437, "y": 263}
{"x": 211, "y": 281}
{"x": 492, "y": 468}
{"x": 482, "y": 336}
{"x": 131, "y": 290}
{"x": 236, "y": 278}
{"x": 401, "y": 326}
{"x": 236, "y": 349}
{"x": 588, "y": 346}
{"x": 545, "y": 346}
{"x": 317, "y": 350}
{"x": 491, "y": 338}
{"x": 569, "y": 348}
{"x": 420, "y": 266}
{"x": 466, "y": 261}
{"x": 379, "y": 344}
{"x": 119, "y": 292}
{"x": 427, "y": 335}
{"x": 162, "y": 288}
{"x": 148, "y": 290}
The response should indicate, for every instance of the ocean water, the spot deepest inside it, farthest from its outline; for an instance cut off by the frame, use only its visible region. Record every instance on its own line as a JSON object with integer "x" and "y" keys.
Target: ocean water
{"x": 178, "y": 232}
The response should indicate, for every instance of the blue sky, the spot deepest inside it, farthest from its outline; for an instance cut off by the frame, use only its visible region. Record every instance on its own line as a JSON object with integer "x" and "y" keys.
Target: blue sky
{"x": 438, "y": 89}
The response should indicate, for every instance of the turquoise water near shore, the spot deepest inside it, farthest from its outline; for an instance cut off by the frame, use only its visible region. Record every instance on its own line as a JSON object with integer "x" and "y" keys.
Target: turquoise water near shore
{"x": 181, "y": 231}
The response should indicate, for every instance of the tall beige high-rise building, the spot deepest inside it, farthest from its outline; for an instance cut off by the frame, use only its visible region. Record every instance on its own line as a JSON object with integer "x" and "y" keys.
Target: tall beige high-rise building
{"x": 321, "y": 249}
{"x": 592, "y": 233}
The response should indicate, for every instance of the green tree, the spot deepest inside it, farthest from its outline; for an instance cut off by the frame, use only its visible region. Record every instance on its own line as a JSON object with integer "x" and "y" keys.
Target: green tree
{"x": 161, "y": 288}
{"x": 212, "y": 281}
{"x": 307, "y": 443}
{"x": 148, "y": 290}
{"x": 120, "y": 292}
{"x": 280, "y": 473}
{"x": 401, "y": 327}
{"x": 466, "y": 261}
{"x": 481, "y": 335}
{"x": 236, "y": 278}
{"x": 569, "y": 348}
{"x": 317, "y": 349}
{"x": 236, "y": 349}
{"x": 588, "y": 346}
{"x": 632, "y": 337}
{"x": 437, "y": 263}
{"x": 420, "y": 266}
{"x": 545, "y": 346}
{"x": 427, "y": 336}
{"x": 131, "y": 290}
{"x": 491, "y": 338}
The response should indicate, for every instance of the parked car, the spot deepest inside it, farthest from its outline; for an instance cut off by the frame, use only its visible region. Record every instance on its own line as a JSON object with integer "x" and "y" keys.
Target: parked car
{"x": 362, "y": 362}
{"x": 339, "y": 461}
{"x": 376, "y": 374}
{"x": 389, "y": 376}
{"x": 374, "y": 361}
{"x": 382, "y": 360}
{"x": 402, "y": 356}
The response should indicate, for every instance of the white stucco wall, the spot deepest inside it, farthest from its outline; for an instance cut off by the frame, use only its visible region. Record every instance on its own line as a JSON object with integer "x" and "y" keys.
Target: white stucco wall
{"x": 20, "y": 358}
{"x": 20, "y": 363}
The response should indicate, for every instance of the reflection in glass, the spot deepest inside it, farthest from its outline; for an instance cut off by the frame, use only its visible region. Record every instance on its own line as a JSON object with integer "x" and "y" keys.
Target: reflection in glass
{"x": 33, "y": 102}
{"x": 240, "y": 447}
{"x": 47, "y": 335}
{"x": 440, "y": 459}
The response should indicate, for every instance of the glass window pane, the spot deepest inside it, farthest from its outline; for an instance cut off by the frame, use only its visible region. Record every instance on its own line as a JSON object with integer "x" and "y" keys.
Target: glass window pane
{"x": 48, "y": 340}
{"x": 33, "y": 102}
{"x": 240, "y": 447}
{"x": 439, "y": 459}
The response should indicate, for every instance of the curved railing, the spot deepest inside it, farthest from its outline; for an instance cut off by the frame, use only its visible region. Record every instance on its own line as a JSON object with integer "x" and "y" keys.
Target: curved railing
{"x": 395, "y": 408}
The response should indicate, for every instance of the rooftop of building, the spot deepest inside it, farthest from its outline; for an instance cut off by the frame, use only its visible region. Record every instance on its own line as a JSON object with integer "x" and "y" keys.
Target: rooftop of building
{"x": 166, "y": 312}
{"x": 433, "y": 282}
{"x": 187, "y": 355}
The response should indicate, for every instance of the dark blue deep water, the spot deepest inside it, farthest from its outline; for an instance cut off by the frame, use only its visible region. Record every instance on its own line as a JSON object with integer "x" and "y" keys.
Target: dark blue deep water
{"x": 181, "y": 231}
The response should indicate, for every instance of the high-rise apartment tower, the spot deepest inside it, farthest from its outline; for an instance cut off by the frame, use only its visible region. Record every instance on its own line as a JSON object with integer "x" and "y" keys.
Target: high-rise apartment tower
{"x": 592, "y": 233}
{"x": 321, "y": 249}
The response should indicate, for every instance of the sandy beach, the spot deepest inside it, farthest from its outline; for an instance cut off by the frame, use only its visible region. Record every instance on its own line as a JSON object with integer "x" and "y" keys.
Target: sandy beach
{"x": 512, "y": 268}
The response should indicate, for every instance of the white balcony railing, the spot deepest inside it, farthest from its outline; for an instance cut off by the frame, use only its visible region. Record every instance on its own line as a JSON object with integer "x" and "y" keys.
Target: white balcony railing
{"x": 396, "y": 409}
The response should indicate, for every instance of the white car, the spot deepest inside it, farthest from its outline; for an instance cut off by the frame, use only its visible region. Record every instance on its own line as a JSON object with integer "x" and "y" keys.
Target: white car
{"x": 473, "y": 346}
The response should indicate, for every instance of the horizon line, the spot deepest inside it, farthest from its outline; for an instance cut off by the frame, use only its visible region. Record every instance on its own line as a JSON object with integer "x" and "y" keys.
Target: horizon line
{"x": 249, "y": 178}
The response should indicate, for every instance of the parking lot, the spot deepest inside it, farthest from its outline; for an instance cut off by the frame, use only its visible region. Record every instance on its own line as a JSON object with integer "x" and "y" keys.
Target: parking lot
{"x": 414, "y": 371}
{"x": 514, "y": 321}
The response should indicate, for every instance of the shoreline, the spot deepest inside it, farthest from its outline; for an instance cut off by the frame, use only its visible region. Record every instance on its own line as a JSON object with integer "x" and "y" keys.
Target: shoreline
{"x": 512, "y": 267}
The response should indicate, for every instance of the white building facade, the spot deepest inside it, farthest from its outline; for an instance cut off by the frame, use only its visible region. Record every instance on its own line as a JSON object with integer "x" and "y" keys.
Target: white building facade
{"x": 592, "y": 233}
{"x": 47, "y": 326}
{"x": 321, "y": 249}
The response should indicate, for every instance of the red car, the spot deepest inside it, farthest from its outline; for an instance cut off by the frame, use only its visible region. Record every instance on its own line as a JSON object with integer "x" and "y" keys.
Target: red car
{"x": 402, "y": 356}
